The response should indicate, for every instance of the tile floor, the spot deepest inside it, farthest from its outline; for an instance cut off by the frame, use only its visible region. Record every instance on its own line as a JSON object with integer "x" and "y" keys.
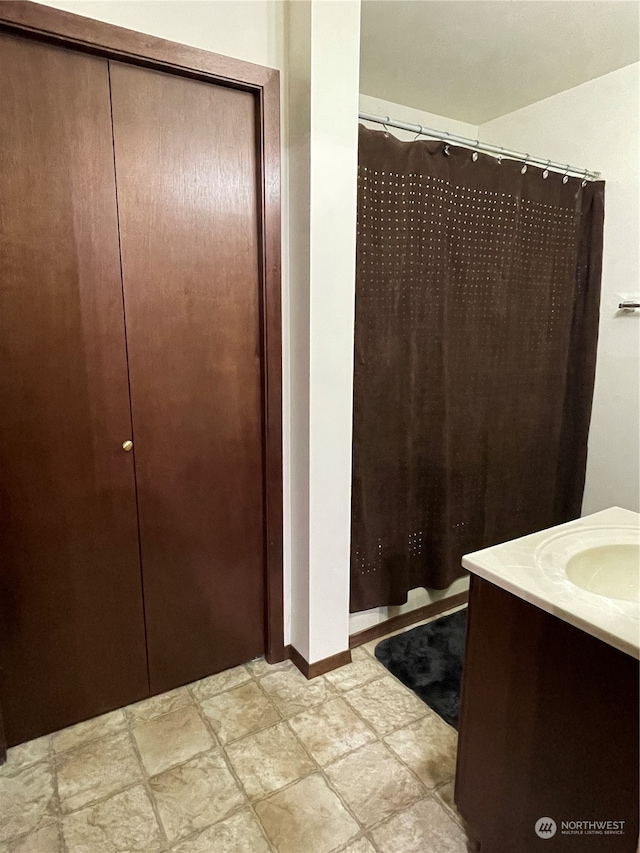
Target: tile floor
{"x": 253, "y": 760}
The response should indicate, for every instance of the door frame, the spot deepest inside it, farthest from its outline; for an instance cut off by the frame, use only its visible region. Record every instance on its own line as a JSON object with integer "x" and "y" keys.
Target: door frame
{"x": 44, "y": 23}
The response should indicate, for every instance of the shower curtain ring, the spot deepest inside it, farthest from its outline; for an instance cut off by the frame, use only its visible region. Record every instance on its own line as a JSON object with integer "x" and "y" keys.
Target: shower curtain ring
{"x": 418, "y": 133}
{"x": 524, "y": 168}
{"x": 474, "y": 156}
{"x": 584, "y": 180}
{"x": 565, "y": 177}
{"x": 500, "y": 156}
{"x": 386, "y": 129}
{"x": 545, "y": 174}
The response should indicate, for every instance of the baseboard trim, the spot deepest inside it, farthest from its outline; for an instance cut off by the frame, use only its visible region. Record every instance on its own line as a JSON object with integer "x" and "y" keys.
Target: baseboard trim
{"x": 312, "y": 670}
{"x": 403, "y": 620}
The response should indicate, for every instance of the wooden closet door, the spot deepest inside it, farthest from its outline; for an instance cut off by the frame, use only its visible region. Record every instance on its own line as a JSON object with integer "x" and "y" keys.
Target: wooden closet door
{"x": 187, "y": 173}
{"x": 72, "y": 641}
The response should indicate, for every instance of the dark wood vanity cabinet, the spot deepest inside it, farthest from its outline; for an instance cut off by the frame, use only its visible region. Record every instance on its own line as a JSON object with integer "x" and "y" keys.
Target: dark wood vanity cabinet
{"x": 548, "y": 728}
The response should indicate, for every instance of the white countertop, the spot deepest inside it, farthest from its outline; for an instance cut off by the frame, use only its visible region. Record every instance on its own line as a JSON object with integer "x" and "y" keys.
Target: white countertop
{"x": 512, "y": 567}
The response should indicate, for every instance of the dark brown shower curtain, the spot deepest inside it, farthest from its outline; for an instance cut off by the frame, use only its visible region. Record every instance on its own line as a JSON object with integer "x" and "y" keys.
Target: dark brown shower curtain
{"x": 477, "y": 297}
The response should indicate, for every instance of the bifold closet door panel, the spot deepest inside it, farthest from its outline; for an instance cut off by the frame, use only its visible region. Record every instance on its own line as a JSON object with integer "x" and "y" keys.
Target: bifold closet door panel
{"x": 186, "y": 169}
{"x": 72, "y": 641}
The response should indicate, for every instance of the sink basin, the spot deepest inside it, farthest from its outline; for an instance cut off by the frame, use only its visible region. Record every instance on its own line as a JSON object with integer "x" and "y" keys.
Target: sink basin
{"x": 603, "y": 561}
{"x": 610, "y": 570}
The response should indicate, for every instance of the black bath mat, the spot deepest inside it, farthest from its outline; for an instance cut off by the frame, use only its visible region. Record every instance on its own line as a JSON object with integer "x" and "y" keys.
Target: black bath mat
{"x": 428, "y": 659}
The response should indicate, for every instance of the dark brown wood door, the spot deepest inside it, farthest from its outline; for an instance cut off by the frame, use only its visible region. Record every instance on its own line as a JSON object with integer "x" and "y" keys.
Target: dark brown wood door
{"x": 72, "y": 641}
{"x": 187, "y": 176}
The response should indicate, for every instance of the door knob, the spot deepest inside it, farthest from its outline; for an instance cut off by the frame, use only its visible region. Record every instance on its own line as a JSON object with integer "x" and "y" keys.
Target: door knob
{"x": 127, "y": 445}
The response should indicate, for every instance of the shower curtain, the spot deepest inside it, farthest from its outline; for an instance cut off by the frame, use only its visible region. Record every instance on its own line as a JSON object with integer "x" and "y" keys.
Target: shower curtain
{"x": 477, "y": 300}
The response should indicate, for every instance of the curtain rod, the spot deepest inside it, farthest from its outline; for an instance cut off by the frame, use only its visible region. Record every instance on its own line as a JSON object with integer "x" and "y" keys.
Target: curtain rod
{"x": 481, "y": 146}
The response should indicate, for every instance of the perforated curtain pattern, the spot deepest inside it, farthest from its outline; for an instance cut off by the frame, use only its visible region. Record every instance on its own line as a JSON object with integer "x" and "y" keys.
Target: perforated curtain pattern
{"x": 477, "y": 300}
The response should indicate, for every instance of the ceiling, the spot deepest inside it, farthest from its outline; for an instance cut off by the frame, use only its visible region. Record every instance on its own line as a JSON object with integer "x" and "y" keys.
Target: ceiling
{"x": 475, "y": 60}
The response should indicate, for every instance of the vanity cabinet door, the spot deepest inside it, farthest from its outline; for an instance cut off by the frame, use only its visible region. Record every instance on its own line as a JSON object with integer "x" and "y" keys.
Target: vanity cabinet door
{"x": 548, "y": 729}
{"x": 72, "y": 641}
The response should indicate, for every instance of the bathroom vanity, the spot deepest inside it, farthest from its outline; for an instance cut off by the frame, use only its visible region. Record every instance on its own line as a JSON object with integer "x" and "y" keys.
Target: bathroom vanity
{"x": 549, "y": 717}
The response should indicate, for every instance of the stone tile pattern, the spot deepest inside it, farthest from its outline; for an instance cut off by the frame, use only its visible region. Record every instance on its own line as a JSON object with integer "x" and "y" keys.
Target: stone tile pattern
{"x": 256, "y": 759}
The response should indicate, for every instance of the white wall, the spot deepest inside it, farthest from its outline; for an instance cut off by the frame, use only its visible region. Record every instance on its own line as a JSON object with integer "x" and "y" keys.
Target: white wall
{"x": 245, "y": 29}
{"x": 335, "y": 70}
{"x": 596, "y": 126}
{"x": 298, "y": 37}
{"x": 323, "y": 80}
